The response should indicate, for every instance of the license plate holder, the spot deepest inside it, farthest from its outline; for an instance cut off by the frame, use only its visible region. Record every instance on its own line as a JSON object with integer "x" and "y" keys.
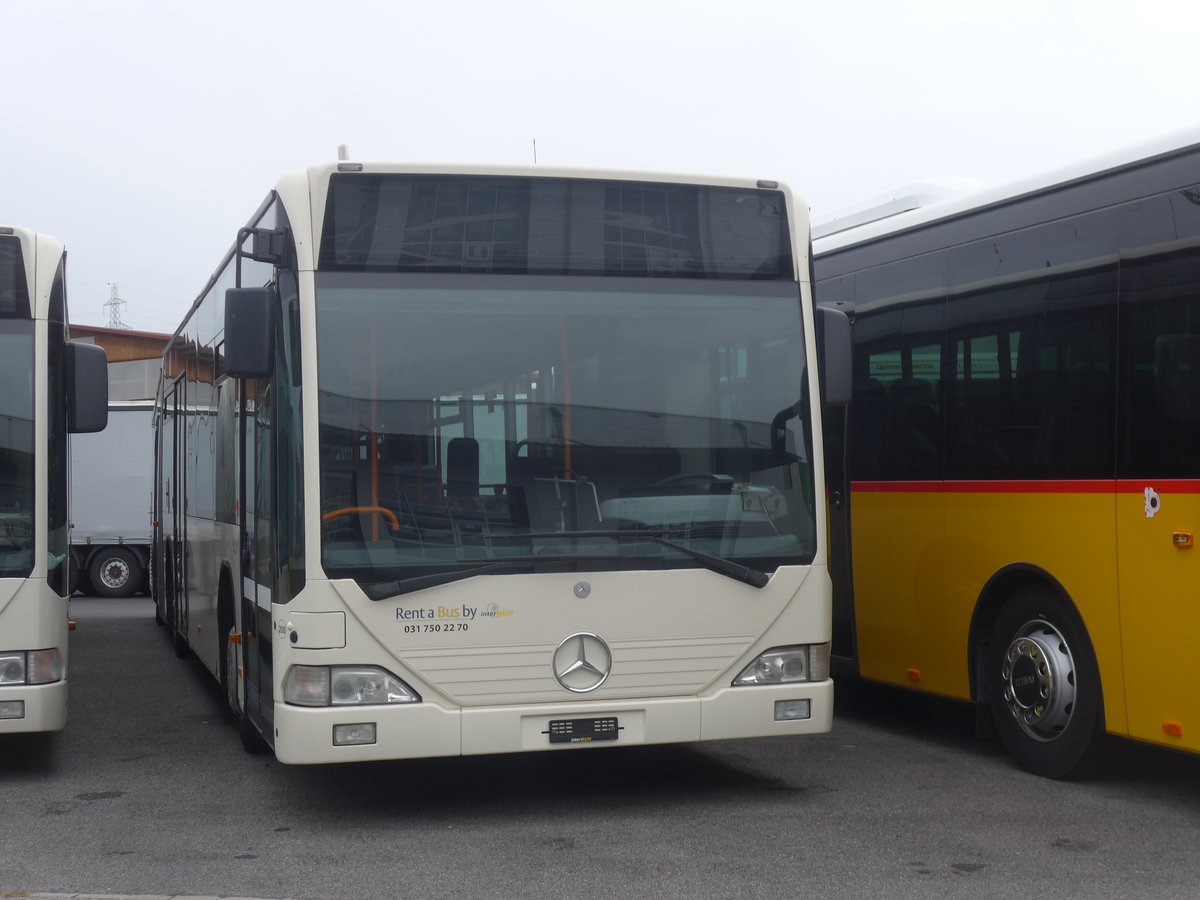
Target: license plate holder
{"x": 583, "y": 731}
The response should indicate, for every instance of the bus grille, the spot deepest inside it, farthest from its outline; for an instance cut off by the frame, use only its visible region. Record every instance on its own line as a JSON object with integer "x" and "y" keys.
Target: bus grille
{"x": 479, "y": 676}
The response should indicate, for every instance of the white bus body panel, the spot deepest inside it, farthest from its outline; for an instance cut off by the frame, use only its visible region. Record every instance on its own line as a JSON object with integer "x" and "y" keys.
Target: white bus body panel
{"x": 677, "y": 639}
{"x": 212, "y": 548}
{"x": 32, "y": 617}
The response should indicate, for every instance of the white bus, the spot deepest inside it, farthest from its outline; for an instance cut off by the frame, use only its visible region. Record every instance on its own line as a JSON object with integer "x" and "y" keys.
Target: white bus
{"x": 462, "y": 461}
{"x": 48, "y": 387}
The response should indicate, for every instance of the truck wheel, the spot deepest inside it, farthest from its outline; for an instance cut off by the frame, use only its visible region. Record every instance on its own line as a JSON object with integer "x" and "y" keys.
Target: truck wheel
{"x": 115, "y": 573}
{"x": 1046, "y": 700}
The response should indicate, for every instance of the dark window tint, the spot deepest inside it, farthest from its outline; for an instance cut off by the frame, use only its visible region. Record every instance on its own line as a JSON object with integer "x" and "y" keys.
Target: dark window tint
{"x": 1033, "y": 325}
{"x": 1160, "y": 345}
{"x": 288, "y": 484}
{"x": 1012, "y": 376}
{"x": 14, "y": 292}
{"x": 1037, "y": 379}
{"x": 896, "y": 429}
{"x": 1160, "y": 337}
{"x": 896, "y": 417}
{"x": 556, "y": 226}
{"x": 56, "y": 431}
{"x": 16, "y": 448}
{"x": 58, "y": 294}
{"x": 1033, "y": 380}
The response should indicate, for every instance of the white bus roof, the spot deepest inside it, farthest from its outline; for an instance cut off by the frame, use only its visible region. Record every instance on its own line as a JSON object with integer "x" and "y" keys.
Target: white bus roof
{"x": 905, "y": 199}
{"x": 827, "y": 236}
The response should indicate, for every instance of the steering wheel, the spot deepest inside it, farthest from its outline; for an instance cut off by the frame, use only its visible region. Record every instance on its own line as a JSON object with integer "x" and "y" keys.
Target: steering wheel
{"x": 354, "y": 510}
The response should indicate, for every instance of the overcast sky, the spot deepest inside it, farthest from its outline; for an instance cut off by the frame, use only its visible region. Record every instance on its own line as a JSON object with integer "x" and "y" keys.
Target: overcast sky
{"x": 143, "y": 133}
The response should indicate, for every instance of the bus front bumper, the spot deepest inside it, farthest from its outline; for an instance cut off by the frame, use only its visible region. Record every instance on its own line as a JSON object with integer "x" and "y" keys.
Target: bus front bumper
{"x": 33, "y": 707}
{"x": 306, "y": 735}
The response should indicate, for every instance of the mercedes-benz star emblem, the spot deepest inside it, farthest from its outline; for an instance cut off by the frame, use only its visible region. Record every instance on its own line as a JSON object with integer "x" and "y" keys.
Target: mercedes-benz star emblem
{"x": 582, "y": 662}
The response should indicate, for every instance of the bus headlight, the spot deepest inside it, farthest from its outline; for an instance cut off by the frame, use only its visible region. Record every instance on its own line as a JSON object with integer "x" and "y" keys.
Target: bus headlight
{"x": 12, "y": 668}
{"x": 31, "y": 666}
{"x": 345, "y": 686}
{"x": 368, "y": 685}
{"x": 787, "y": 665}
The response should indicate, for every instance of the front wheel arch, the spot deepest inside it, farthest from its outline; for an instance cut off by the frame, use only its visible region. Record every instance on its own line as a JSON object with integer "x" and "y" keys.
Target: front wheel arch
{"x": 995, "y": 594}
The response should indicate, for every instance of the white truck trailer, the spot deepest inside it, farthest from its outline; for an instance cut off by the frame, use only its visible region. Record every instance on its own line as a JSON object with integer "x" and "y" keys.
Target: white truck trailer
{"x": 112, "y": 474}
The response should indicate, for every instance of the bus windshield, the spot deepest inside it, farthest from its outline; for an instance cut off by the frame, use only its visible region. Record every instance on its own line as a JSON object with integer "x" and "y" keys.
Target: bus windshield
{"x": 467, "y": 418}
{"x": 16, "y": 448}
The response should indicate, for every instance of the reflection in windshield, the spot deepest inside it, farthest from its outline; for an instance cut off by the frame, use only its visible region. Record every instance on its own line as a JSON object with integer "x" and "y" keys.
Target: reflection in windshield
{"x": 484, "y": 418}
{"x": 16, "y": 448}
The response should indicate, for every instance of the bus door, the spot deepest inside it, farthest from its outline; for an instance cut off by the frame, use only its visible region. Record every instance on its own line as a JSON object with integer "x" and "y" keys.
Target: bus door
{"x": 1158, "y": 518}
{"x": 174, "y": 511}
{"x": 840, "y": 562}
{"x": 837, "y": 479}
{"x": 257, "y": 541}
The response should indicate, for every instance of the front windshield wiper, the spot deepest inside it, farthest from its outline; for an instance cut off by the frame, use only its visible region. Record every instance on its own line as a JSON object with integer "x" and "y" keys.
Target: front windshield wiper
{"x": 718, "y": 564}
{"x": 386, "y": 590}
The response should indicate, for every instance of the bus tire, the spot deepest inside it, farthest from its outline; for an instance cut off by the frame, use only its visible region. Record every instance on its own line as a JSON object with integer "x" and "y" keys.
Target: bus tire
{"x": 115, "y": 572}
{"x": 252, "y": 741}
{"x": 1046, "y": 699}
{"x": 229, "y": 675}
{"x": 180, "y": 644}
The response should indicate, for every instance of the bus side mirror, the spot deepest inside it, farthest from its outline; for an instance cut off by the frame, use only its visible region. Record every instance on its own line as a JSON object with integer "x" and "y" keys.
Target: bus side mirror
{"x": 249, "y": 332}
{"x": 834, "y": 355}
{"x": 87, "y": 386}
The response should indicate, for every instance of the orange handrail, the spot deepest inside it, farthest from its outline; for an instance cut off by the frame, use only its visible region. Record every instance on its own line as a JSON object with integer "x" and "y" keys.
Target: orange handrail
{"x": 352, "y": 510}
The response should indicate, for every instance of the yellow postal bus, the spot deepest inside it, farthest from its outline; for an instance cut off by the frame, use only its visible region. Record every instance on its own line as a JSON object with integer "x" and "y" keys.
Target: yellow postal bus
{"x": 1015, "y": 487}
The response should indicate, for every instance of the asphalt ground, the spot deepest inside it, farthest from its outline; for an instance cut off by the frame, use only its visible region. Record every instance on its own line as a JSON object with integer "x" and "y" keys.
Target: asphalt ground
{"x": 149, "y": 793}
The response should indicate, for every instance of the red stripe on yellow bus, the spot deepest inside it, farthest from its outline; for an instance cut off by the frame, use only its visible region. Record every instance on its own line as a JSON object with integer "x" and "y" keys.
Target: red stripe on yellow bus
{"x": 1092, "y": 486}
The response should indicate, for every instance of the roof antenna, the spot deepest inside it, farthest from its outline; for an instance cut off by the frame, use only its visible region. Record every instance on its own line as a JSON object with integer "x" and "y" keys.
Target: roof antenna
{"x": 343, "y": 152}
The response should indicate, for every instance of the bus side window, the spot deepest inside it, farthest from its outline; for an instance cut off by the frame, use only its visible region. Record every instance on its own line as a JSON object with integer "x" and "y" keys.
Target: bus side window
{"x": 1160, "y": 352}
